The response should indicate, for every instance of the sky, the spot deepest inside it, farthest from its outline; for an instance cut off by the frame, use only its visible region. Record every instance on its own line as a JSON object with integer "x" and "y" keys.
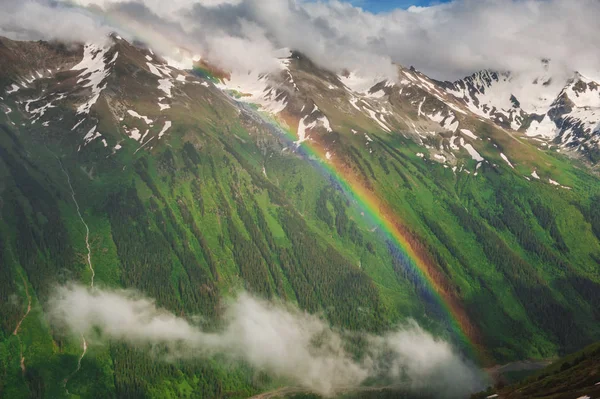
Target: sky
{"x": 446, "y": 40}
{"x": 377, "y": 6}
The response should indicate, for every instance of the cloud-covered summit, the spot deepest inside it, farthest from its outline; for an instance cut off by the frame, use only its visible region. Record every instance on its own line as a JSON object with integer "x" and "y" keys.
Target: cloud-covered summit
{"x": 446, "y": 41}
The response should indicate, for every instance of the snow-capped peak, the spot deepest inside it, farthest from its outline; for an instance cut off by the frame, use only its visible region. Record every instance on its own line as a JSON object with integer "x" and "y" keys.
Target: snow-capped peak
{"x": 95, "y": 68}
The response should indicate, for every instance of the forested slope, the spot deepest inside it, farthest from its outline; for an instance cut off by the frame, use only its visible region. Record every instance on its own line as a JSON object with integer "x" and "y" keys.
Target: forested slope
{"x": 226, "y": 202}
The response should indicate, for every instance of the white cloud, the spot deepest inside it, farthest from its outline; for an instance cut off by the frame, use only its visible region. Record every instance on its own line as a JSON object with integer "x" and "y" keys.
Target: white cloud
{"x": 446, "y": 41}
{"x": 282, "y": 341}
{"x": 27, "y": 20}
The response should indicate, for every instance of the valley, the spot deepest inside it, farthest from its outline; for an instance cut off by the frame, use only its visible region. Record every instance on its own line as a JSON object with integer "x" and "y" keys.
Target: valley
{"x": 372, "y": 203}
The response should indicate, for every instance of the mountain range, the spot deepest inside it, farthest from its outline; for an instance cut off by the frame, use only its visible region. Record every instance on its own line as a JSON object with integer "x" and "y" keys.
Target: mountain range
{"x": 471, "y": 207}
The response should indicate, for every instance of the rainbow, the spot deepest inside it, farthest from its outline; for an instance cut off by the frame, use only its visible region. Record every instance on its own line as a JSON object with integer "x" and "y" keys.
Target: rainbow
{"x": 397, "y": 235}
{"x": 375, "y": 209}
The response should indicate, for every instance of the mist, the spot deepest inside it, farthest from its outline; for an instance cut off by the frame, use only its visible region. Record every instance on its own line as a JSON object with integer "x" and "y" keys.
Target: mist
{"x": 272, "y": 337}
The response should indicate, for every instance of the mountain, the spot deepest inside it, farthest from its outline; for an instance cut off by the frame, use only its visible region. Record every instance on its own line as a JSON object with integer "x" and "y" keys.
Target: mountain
{"x": 574, "y": 376}
{"x": 548, "y": 105}
{"x": 367, "y": 200}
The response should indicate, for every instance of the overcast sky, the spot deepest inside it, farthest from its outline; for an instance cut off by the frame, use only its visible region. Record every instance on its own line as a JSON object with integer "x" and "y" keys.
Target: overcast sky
{"x": 445, "y": 40}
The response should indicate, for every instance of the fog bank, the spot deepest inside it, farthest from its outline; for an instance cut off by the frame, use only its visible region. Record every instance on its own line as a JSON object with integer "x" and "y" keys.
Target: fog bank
{"x": 278, "y": 339}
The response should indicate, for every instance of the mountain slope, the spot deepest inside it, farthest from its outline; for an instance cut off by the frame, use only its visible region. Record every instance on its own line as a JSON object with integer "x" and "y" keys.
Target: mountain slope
{"x": 554, "y": 107}
{"x": 195, "y": 186}
{"x": 574, "y": 376}
{"x": 452, "y": 147}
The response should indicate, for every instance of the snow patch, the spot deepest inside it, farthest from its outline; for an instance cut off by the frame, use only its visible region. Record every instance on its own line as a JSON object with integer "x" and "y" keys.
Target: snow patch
{"x": 94, "y": 69}
{"x": 373, "y": 116}
{"x": 377, "y": 94}
{"x": 40, "y": 111}
{"x": 165, "y": 81}
{"x": 469, "y": 134}
{"x": 91, "y": 135}
{"x": 166, "y": 85}
{"x": 506, "y": 160}
{"x": 448, "y": 122}
{"x": 453, "y": 145}
{"x": 490, "y": 95}
{"x": 166, "y": 127}
{"x": 353, "y": 102}
{"x": 546, "y": 128}
{"x": 325, "y": 122}
{"x": 13, "y": 89}
{"x": 77, "y": 124}
{"x": 421, "y": 106}
{"x": 302, "y": 128}
{"x": 154, "y": 70}
{"x": 360, "y": 84}
{"x": 587, "y": 98}
{"x": 143, "y": 145}
{"x": 472, "y": 152}
{"x": 255, "y": 88}
{"x": 133, "y": 133}
{"x": 136, "y": 115}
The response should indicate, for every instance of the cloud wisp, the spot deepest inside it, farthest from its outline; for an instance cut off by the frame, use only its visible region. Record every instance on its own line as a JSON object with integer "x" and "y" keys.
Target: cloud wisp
{"x": 277, "y": 339}
{"x": 446, "y": 41}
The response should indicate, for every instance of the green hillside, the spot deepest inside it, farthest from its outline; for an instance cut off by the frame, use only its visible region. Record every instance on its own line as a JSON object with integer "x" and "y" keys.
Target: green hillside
{"x": 574, "y": 376}
{"x": 224, "y": 203}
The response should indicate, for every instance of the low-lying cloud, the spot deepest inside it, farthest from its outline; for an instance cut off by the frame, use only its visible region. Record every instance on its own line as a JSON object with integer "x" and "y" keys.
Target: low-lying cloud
{"x": 275, "y": 338}
{"x": 446, "y": 41}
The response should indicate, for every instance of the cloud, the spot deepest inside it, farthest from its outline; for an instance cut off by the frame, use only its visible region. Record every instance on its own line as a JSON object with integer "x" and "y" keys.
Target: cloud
{"x": 280, "y": 340}
{"x": 446, "y": 41}
{"x": 33, "y": 20}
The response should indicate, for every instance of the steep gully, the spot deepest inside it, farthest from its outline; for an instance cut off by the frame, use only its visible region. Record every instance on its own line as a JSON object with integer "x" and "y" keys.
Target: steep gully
{"x": 18, "y": 327}
{"x": 90, "y": 265}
